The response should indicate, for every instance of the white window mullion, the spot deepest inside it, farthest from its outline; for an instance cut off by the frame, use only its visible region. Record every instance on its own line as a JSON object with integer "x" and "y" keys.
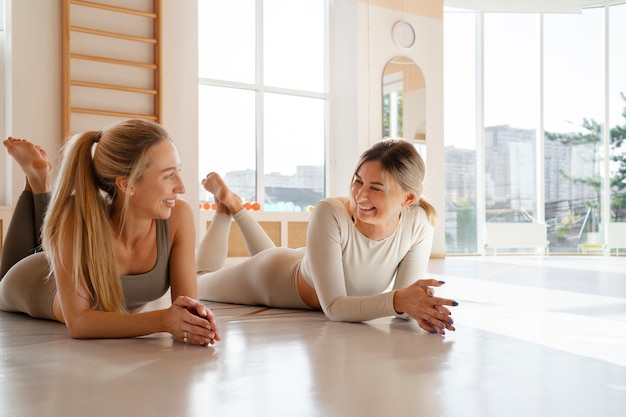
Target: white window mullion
{"x": 260, "y": 99}
{"x": 606, "y": 133}
{"x": 480, "y": 133}
{"x": 540, "y": 185}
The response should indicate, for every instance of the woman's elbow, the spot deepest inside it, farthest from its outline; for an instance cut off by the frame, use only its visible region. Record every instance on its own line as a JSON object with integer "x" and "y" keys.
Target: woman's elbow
{"x": 339, "y": 317}
{"x": 333, "y": 317}
{"x": 75, "y": 330}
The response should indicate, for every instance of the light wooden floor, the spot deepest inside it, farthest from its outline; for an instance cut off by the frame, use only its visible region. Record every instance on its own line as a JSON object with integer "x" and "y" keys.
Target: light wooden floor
{"x": 536, "y": 336}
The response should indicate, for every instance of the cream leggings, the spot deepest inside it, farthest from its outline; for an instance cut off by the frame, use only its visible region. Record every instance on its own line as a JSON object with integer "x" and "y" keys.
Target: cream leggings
{"x": 25, "y": 284}
{"x": 267, "y": 277}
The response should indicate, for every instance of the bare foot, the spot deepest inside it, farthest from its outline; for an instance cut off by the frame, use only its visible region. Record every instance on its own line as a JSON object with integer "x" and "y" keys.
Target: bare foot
{"x": 33, "y": 160}
{"x": 227, "y": 201}
{"x": 221, "y": 207}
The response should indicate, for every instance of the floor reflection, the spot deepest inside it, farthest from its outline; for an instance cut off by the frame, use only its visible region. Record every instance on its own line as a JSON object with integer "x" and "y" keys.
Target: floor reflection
{"x": 535, "y": 336}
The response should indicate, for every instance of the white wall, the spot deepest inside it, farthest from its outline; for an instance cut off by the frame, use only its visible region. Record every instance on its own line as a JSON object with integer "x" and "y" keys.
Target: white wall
{"x": 345, "y": 141}
{"x": 360, "y": 42}
{"x": 376, "y": 48}
{"x": 5, "y": 174}
{"x": 180, "y": 85}
{"x": 33, "y": 72}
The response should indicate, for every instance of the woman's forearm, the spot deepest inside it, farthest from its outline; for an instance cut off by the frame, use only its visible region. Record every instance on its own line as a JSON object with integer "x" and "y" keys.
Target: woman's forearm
{"x": 94, "y": 324}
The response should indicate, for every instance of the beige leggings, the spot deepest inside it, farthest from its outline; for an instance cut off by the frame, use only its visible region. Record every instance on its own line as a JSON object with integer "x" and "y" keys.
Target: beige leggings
{"x": 267, "y": 277}
{"x": 25, "y": 284}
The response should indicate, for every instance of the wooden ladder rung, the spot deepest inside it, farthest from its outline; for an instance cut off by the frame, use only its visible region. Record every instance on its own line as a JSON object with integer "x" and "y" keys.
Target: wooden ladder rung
{"x": 113, "y": 8}
{"x": 112, "y": 34}
{"x": 116, "y": 61}
{"x": 113, "y": 87}
{"x": 126, "y": 115}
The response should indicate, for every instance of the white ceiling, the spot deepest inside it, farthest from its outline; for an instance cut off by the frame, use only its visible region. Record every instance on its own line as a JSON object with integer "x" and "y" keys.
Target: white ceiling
{"x": 545, "y": 6}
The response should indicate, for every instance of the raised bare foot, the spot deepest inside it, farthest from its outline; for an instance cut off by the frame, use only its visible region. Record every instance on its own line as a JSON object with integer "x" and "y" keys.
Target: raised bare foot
{"x": 227, "y": 201}
{"x": 33, "y": 160}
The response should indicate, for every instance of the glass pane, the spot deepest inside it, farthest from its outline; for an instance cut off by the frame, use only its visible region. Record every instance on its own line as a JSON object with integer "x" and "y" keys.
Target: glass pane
{"x": 294, "y": 152}
{"x": 511, "y": 116}
{"x": 573, "y": 123}
{"x": 617, "y": 111}
{"x": 404, "y": 99}
{"x": 227, "y": 139}
{"x": 460, "y": 132}
{"x": 226, "y": 40}
{"x": 293, "y": 44}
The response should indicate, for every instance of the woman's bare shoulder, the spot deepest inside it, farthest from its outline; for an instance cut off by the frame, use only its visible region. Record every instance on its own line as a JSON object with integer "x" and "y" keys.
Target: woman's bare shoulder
{"x": 182, "y": 214}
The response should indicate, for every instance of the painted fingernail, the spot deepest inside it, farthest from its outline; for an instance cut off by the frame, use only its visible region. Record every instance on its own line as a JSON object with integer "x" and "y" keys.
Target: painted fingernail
{"x": 433, "y": 332}
{"x": 442, "y": 326}
{"x": 454, "y": 304}
{"x": 450, "y": 321}
{"x": 442, "y": 282}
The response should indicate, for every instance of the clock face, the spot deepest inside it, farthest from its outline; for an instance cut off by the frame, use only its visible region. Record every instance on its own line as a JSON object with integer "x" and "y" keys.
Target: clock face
{"x": 403, "y": 34}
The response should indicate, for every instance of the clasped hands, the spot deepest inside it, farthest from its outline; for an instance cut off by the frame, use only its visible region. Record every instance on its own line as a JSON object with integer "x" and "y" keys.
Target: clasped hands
{"x": 418, "y": 302}
{"x": 193, "y": 323}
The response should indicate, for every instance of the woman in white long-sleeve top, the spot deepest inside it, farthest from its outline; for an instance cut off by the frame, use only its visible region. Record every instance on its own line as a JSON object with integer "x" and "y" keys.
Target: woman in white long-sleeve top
{"x": 356, "y": 248}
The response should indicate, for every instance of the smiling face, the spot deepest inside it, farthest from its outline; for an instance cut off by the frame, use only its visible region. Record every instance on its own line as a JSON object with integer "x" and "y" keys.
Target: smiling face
{"x": 154, "y": 194}
{"x": 377, "y": 200}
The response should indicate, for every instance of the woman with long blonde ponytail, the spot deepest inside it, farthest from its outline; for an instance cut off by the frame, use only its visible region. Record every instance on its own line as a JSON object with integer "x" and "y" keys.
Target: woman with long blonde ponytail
{"x": 114, "y": 237}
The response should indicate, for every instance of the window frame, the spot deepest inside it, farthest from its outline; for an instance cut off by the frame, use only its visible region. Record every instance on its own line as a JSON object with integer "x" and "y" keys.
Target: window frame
{"x": 260, "y": 90}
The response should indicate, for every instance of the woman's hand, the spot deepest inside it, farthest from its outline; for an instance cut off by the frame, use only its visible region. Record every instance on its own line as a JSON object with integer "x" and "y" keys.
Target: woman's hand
{"x": 418, "y": 302}
{"x": 191, "y": 322}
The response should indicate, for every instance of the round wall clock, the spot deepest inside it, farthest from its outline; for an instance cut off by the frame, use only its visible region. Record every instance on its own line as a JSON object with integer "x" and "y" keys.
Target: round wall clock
{"x": 403, "y": 34}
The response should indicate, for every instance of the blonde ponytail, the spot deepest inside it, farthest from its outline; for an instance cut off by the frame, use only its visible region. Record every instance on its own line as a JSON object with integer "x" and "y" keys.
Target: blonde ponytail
{"x": 77, "y": 198}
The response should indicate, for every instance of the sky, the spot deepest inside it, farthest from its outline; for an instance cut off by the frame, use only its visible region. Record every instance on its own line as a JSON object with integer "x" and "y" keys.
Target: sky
{"x": 573, "y": 71}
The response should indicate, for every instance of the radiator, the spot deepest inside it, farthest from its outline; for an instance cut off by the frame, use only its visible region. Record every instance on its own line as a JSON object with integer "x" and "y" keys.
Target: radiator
{"x": 517, "y": 236}
{"x": 616, "y": 238}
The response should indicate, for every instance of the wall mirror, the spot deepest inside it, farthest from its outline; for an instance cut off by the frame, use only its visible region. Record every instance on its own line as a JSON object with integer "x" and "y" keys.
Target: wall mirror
{"x": 404, "y": 101}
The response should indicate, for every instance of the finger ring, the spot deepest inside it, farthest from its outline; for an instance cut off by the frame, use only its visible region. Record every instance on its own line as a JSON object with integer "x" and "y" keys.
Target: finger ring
{"x": 185, "y": 336}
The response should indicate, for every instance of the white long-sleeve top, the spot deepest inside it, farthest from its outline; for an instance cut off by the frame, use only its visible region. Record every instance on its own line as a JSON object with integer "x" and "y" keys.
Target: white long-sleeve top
{"x": 351, "y": 272}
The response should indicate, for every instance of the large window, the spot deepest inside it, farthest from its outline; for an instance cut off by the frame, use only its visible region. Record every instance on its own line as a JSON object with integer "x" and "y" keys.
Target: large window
{"x": 574, "y": 124}
{"x": 262, "y": 99}
{"x": 511, "y": 120}
{"x": 460, "y": 88}
{"x": 617, "y": 113}
{"x": 541, "y": 106}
